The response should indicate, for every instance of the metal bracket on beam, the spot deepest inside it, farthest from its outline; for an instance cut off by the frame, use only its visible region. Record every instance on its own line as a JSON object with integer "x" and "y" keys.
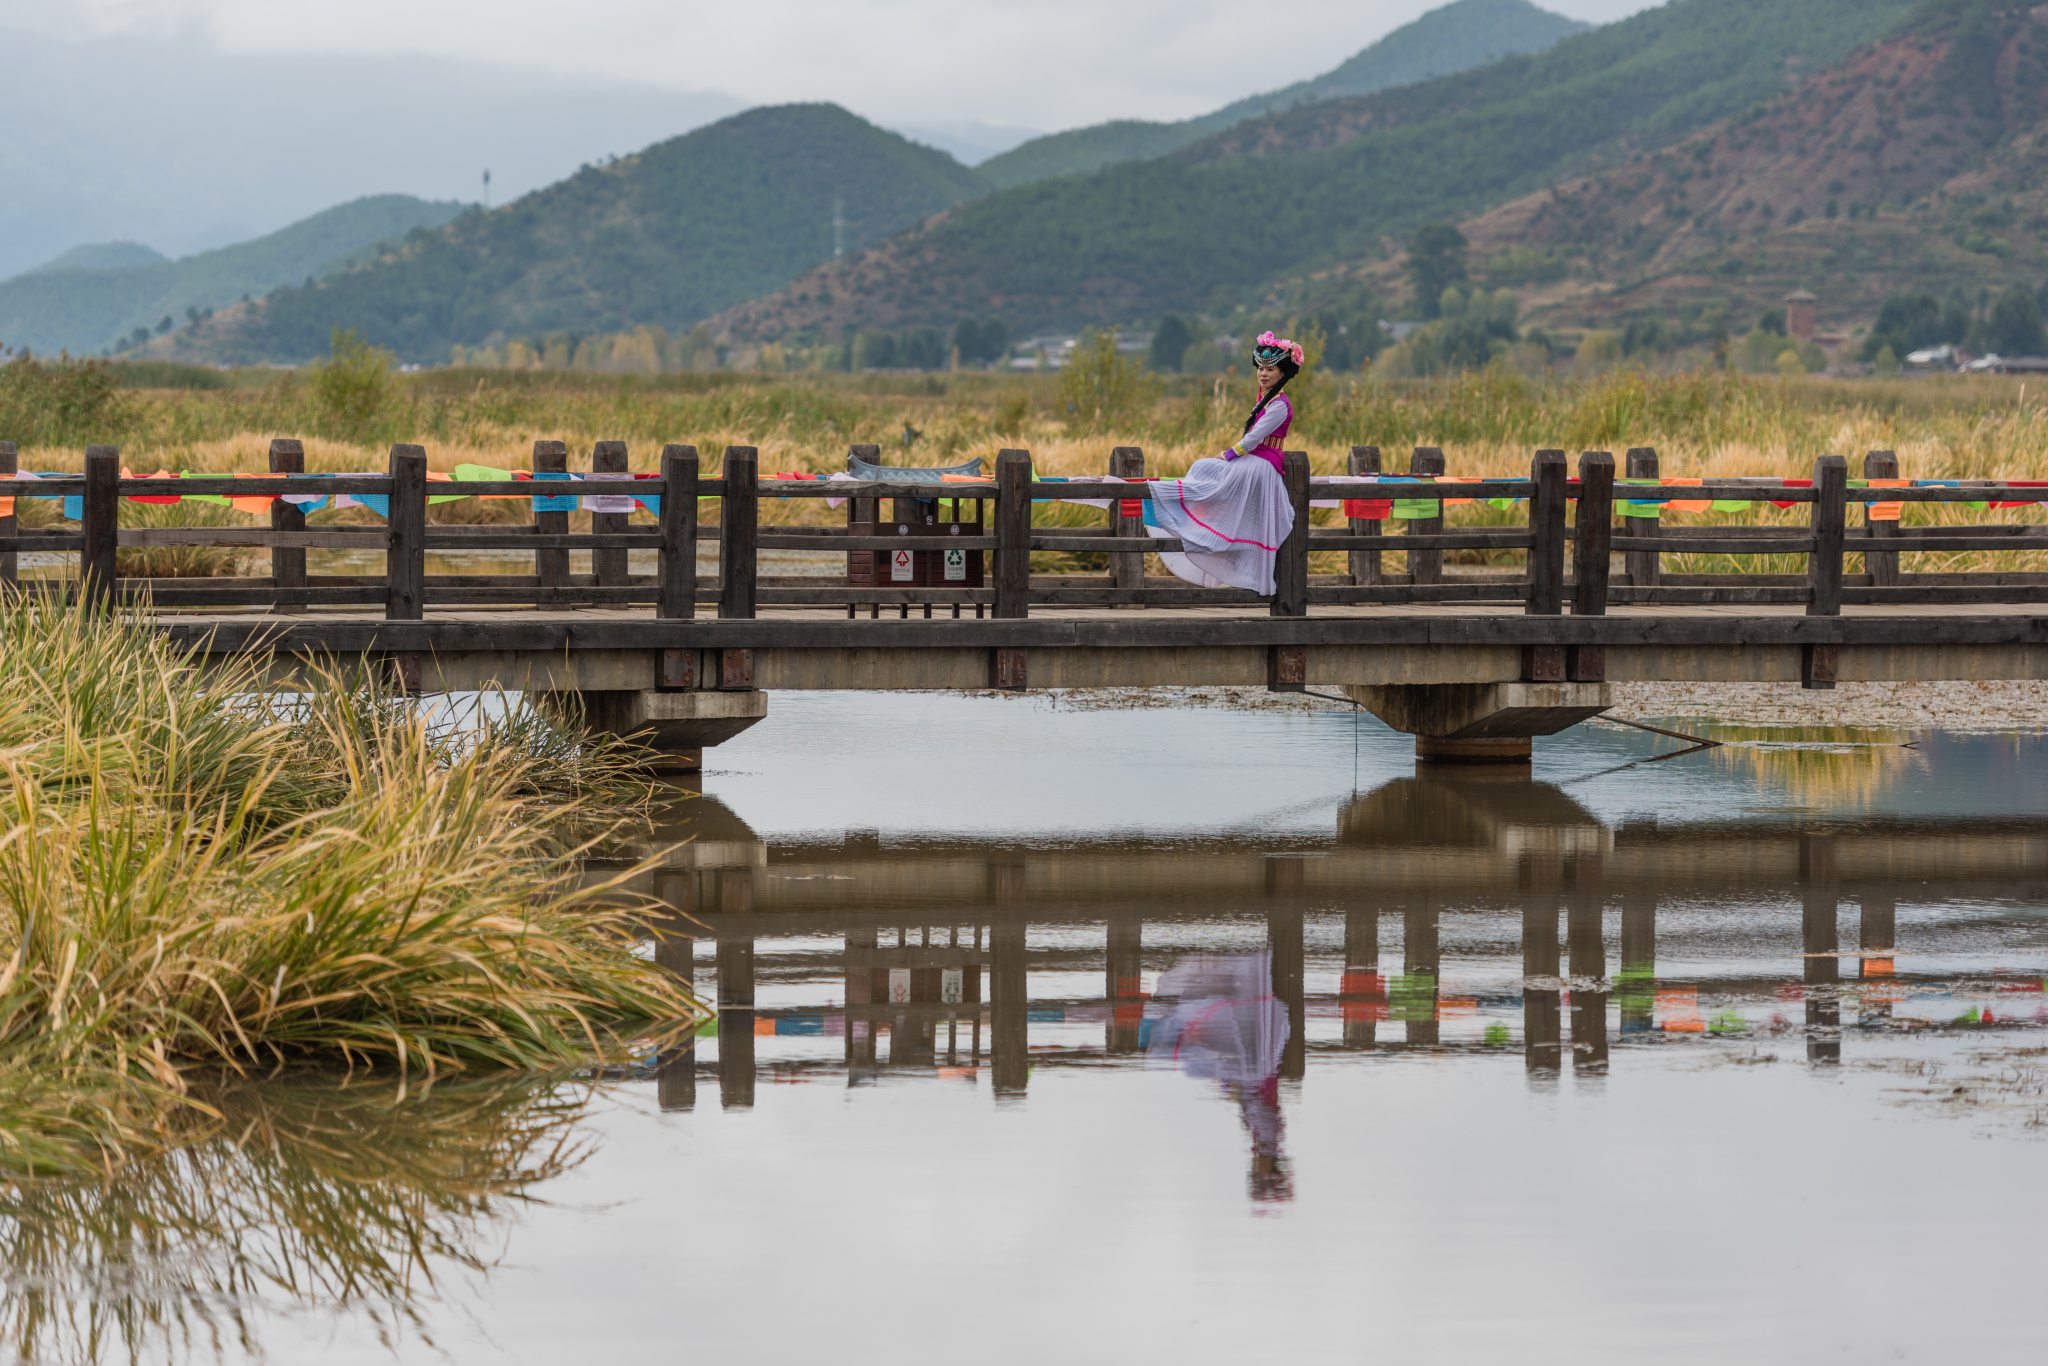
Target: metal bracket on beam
{"x": 405, "y": 670}
{"x": 1287, "y": 668}
{"x": 1818, "y": 666}
{"x": 678, "y": 670}
{"x": 1585, "y": 663}
{"x": 1543, "y": 663}
{"x": 1006, "y": 670}
{"x": 735, "y": 670}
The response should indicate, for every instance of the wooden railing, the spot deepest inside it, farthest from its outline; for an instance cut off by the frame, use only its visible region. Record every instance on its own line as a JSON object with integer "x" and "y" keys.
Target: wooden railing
{"x": 1009, "y": 589}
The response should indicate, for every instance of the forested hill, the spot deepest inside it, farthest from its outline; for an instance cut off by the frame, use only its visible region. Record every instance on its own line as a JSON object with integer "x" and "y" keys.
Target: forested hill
{"x": 665, "y": 237}
{"x": 94, "y": 296}
{"x": 1459, "y": 36}
{"x": 1214, "y": 224}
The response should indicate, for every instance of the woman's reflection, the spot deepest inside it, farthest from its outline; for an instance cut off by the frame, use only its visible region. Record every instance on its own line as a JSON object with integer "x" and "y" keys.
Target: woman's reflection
{"x": 1215, "y": 1016}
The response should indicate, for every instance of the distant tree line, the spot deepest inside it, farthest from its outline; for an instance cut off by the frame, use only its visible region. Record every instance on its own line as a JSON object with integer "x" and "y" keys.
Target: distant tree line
{"x": 2008, "y": 324}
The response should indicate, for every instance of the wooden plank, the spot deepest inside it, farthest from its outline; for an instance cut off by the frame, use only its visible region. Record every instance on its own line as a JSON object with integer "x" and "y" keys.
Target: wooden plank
{"x": 1450, "y": 540}
{"x": 1644, "y": 567}
{"x": 437, "y": 539}
{"x": 568, "y": 595}
{"x": 1126, "y": 630}
{"x": 885, "y": 488}
{"x": 101, "y": 525}
{"x": 1938, "y": 540}
{"x": 608, "y": 561}
{"x": 1094, "y": 544}
{"x": 1958, "y": 593}
{"x": 677, "y": 572}
{"x": 287, "y": 561}
{"x": 1127, "y": 570}
{"x": 1496, "y": 591}
{"x": 1830, "y": 523}
{"x": 1546, "y": 531}
{"x": 1364, "y": 564}
{"x": 776, "y": 541}
{"x": 1426, "y": 565}
{"x": 551, "y": 565}
{"x": 1593, "y": 538}
{"x": 890, "y": 597}
{"x": 405, "y": 559}
{"x": 233, "y": 487}
{"x": 33, "y": 542}
{"x": 11, "y": 523}
{"x": 1668, "y": 592}
{"x": 201, "y": 593}
{"x": 739, "y": 520}
{"x": 295, "y": 542}
{"x": 1712, "y": 542}
{"x": 1013, "y": 534}
{"x": 1149, "y": 597}
{"x": 1882, "y": 566}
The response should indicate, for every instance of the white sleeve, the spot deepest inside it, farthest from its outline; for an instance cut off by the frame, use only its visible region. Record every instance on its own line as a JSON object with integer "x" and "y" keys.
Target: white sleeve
{"x": 1276, "y": 412}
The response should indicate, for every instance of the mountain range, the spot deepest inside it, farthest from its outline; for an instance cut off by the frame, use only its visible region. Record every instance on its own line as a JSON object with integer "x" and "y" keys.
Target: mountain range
{"x": 96, "y": 295}
{"x": 1699, "y": 158}
{"x": 734, "y": 211}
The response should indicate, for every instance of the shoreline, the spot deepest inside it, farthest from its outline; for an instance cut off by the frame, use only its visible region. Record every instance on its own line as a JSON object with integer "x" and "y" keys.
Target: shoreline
{"x": 2006, "y": 705}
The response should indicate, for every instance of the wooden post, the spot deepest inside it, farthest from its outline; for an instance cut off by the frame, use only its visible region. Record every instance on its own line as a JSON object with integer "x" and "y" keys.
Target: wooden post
{"x": 1127, "y": 570}
{"x": 1645, "y": 567}
{"x": 860, "y": 564}
{"x": 609, "y": 566}
{"x": 287, "y": 565}
{"x": 1013, "y": 534}
{"x": 9, "y": 525}
{"x": 1546, "y": 531}
{"x": 101, "y": 526}
{"x": 739, "y": 518}
{"x": 676, "y": 574}
{"x": 1365, "y": 564}
{"x": 405, "y": 561}
{"x": 1830, "y": 523}
{"x": 1290, "y": 565}
{"x": 1881, "y": 565}
{"x": 1426, "y": 566}
{"x": 551, "y": 566}
{"x": 1593, "y": 548}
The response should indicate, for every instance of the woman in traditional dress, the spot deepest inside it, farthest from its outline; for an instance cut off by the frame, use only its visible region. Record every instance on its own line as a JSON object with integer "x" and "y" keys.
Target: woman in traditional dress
{"x": 1231, "y": 511}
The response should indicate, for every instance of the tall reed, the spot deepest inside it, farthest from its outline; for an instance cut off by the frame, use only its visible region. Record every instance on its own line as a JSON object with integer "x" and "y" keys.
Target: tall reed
{"x": 197, "y": 873}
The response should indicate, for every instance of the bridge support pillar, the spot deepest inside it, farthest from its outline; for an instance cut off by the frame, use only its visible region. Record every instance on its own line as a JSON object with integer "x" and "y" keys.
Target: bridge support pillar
{"x": 676, "y": 725}
{"x": 1480, "y": 723}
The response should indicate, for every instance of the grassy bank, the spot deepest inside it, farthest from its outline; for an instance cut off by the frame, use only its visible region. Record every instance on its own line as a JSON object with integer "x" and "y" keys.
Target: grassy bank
{"x": 197, "y": 876}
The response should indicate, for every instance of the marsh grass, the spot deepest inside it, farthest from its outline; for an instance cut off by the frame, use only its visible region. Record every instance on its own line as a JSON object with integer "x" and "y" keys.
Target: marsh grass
{"x": 195, "y": 873}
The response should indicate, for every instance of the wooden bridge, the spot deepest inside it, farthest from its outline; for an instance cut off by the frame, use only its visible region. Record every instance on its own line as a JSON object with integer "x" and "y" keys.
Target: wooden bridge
{"x": 1472, "y": 664}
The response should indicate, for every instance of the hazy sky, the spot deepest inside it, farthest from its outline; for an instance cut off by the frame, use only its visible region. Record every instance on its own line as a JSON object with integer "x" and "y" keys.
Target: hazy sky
{"x": 1044, "y": 64}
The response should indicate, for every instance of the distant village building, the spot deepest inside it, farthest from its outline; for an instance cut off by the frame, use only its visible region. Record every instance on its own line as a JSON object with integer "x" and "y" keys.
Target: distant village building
{"x": 1799, "y": 311}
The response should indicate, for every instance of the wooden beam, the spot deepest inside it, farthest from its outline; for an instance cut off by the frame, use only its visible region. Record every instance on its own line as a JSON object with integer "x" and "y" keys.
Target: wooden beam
{"x": 1644, "y": 567}
{"x": 676, "y": 569}
{"x": 101, "y": 526}
{"x": 1127, "y": 569}
{"x": 1364, "y": 564}
{"x": 405, "y": 559}
{"x": 1830, "y": 523}
{"x": 739, "y": 519}
{"x": 551, "y": 565}
{"x": 1546, "y": 531}
{"x": 1427, "y": 566}
{"x": 1013, "y": 534}
{"x": 608, "y": 564}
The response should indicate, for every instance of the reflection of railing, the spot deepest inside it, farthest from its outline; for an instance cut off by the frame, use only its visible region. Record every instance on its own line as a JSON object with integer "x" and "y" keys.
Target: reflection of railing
{"x": 739, "y": 589}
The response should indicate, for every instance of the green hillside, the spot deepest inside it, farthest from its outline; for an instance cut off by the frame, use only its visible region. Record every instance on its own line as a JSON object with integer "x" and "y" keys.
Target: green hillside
{"x": 1457, "y": 37}
{"x": 72, "y": 304}
{"x": 102, "y": 256}
{"x": 665, "y": 237}
{"x": 1213, "y": 225}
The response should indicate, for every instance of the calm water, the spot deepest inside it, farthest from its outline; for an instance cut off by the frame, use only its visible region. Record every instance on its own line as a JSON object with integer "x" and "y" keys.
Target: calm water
{"x": 1201, "y": 1036}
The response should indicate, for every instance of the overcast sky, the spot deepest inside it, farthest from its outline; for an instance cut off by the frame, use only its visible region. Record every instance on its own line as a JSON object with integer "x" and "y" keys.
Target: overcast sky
{"x": 1042, "y": 64}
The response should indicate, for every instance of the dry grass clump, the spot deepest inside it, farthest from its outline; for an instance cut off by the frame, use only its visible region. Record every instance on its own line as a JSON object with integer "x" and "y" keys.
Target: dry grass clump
{"x": 197, "y": 874}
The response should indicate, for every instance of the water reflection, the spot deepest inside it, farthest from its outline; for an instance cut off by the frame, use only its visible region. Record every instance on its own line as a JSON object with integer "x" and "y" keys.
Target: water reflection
{"x": 1448, "y": 911}
{"x": 301, "y": 1195}
{"x": 1216, "y": 1017}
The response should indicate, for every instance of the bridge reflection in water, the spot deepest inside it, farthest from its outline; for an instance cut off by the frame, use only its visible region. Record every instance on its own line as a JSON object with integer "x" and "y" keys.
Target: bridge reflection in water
{"x": 1565, "y": 937}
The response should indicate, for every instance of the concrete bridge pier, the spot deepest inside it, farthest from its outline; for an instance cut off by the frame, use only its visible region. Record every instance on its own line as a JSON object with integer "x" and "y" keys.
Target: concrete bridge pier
{"x": 1480, "y": 723}
{"x": 677, "y": 726}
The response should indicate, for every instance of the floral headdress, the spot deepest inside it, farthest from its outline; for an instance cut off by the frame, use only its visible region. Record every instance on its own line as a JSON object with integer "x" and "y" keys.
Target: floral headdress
{"x": 1270, "y": 350}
